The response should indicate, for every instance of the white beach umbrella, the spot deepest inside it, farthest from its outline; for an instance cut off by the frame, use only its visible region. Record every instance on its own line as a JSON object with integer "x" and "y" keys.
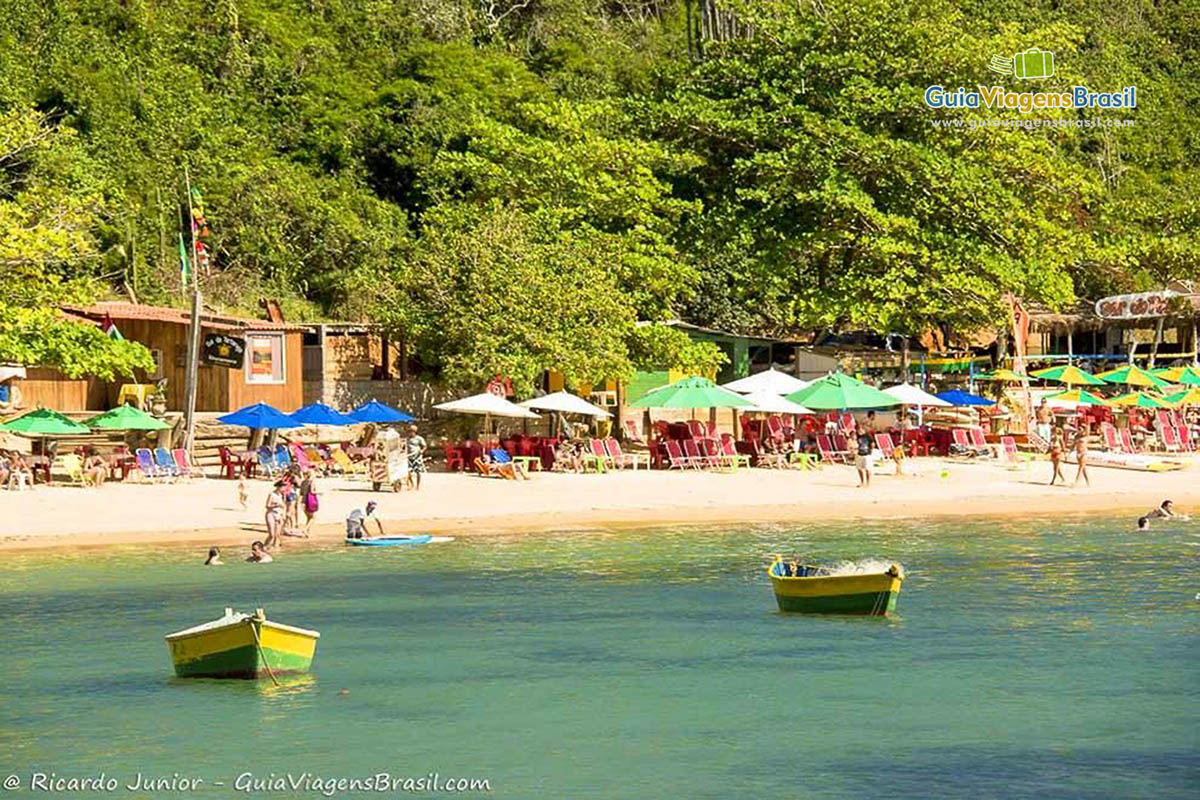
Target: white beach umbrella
{"x": 771, "y": 403}
{"x": 911, "y": 395}
{"x": 771, "y": 380}
{"x": 487, "y": 404}
{"x": 565, "y": 402}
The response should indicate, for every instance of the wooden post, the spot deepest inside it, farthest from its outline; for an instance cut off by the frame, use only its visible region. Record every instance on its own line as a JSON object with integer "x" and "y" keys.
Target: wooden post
{"x": 1158, "y": 329}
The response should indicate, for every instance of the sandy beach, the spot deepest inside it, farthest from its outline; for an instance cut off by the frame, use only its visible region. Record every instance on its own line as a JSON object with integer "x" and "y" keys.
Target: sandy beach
{"x": 208, "y": 512}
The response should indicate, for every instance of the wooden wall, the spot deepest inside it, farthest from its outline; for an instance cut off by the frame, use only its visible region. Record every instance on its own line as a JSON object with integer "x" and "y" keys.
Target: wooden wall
{"x": 52, "y": 389}
{"x": 287, "y": 396}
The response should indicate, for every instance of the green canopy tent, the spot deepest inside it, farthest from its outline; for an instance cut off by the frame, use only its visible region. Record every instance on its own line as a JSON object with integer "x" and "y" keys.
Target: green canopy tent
{"x": 126, "y": 418}
{"x": 692, "y": 393}
{"x": 838, "y": 391}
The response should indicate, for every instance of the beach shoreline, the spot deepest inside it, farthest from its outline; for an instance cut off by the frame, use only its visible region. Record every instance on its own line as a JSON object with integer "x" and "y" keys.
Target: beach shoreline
{"x": 465, "y": 505}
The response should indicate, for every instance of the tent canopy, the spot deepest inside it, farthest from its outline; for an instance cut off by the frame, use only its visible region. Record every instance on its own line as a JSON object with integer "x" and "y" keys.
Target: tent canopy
{"x": 838, "y": 390}
{"x": 380, "y": 413}
{"x": 693, "y": 392}
{"x": 321, "y": 414}
{"x": 1068, "y": 374}
{"x": 487, "y": 404}
{"x": 1132, "y": 375}
{"x": 1079, "y": 397}
{"x": 911, "y": 395}
{"x": 772, "y": 380}
{"x": 565, "y": 402}
{"x": 1188, "y": 376}
{"x": 1138, "y": 399}
{"x": 260, "y": 415}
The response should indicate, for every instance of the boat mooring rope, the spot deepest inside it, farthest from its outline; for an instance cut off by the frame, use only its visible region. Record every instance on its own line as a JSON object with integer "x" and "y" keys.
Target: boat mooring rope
{"x": 261, "y": 652}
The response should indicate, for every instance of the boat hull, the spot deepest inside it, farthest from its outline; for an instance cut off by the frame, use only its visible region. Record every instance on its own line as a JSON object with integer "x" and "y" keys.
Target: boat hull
{"x": 869, "y": 595}
{"x": 232, "y": 652}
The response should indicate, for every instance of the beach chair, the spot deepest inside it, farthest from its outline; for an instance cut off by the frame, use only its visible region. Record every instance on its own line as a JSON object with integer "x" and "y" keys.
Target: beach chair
{"x": 165, "y": 463}
{"x": 145, "y": 464}
{"x": 714, "y": 455}
{"x": 70, "y": 465}
{"x": 621, "y": 458}
{"x": 596, "y": 456}
{"x": 501, "y": 465}
{"x": 1112, "y": 439}
{"x": 1169, "y": 439}
{"x": 454, "y": 458}
{"x": 775, "y": 428}
{"x": 1162, "y": 418}
{"x": 885, "y": 444}
{"x": 847, "y": 422}
{"x": 691, "y": 449}
{"x": 962, "y": 445}
{"x": 980, "y": 443}
{"x": 1127, "y": 441}
{"x": 300, "y": 458}
{"x": 731, "y": 456}
{"x": 266, "y": 460}
{"x": 1185, "y": 438}
{"x": 676, "y": 458}
{"x": 283, "y": 457}
{"x": 1009, "y": 453}
{"x": 183, "y": 460}
{"x": 829, "y": 452}
{"x": 342, "y": 459}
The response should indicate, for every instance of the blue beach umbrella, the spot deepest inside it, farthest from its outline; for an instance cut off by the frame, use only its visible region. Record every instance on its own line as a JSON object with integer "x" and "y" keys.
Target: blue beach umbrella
{"x": 260, "y": 415}
{"x": 321, "y": 414}
{"x": 957, "y": 397}
{"x": 377, "y": 412}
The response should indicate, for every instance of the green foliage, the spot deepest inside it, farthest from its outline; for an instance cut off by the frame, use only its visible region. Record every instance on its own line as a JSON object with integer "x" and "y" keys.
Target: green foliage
{"x": 41, "y": 337}
{"x": 655, "y": 346}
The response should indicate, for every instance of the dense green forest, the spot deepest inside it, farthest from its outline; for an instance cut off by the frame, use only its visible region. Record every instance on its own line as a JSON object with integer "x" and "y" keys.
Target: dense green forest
{"x": 514, "y": 183}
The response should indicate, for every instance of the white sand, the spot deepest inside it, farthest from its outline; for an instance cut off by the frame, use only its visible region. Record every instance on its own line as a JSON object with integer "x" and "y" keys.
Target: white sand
{"x": 207, "y": 511}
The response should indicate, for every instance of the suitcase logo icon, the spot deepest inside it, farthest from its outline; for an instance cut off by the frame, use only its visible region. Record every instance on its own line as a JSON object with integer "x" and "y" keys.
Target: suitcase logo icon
{"x": 1033, "y": 63}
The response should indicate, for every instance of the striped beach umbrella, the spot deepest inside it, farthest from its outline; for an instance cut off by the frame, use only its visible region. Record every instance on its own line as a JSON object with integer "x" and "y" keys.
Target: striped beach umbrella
{"x": 1188, "y": 376}
{"x": 1132, "y": 375}
{"x": 1080, "y": 397}
{"x": 1068, "y": 374}
{"x": 1137, "y": 400}
{"x": 1002, "y": 375}
{"x": 1187, "y": 397}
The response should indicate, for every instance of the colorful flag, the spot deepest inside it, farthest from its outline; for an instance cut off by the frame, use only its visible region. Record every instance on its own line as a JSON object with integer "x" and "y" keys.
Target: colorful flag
{"x": 185, "y": 271}
{"x": 110, "y": 328}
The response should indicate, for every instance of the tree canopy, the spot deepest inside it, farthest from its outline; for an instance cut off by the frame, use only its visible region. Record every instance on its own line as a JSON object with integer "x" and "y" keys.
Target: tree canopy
{"x": 512, "y": 186}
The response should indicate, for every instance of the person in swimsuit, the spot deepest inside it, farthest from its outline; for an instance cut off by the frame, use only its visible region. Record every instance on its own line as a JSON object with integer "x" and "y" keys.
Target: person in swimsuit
{"x": 259, "y": 554}
{"x": 1044, "y": 417}
{"x": 214, "y": 557}
{"x": 1166, "y": 511}
{"x": 1056, "y": 454}
{"x": 1081, "y": 451}
{"x": 276, "y": 509}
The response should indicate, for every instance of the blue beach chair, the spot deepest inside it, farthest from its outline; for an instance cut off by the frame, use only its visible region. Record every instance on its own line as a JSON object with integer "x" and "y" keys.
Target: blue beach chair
{"x": 165, "y": 463}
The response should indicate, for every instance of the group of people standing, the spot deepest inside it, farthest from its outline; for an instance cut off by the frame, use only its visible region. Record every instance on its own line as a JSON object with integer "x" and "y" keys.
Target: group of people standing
{"x": 295, "y": 491}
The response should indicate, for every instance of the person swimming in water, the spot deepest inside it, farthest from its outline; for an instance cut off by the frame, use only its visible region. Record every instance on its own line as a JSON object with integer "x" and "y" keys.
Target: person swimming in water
{"x": 214, "y": 557}
{"x": 259, "y": 554}
{"x": 1166, "y": 510}
{"x": 1143, "y": 524}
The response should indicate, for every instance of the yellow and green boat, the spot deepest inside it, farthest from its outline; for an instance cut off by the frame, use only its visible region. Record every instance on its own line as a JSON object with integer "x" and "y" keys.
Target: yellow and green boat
{"x": 811, "y": 589}
{"x": 241, "y": 646}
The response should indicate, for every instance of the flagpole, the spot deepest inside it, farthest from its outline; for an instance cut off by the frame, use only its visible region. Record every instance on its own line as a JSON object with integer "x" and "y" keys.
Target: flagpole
{"x": 193, "y": 351}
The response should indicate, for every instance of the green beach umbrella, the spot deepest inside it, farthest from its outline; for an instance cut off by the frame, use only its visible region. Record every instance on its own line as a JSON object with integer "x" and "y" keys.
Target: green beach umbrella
{"x": 43, "y": 422}
{"x": 1188, "y": 376}
{"x": 693, "y": 392}
{"x": 1185, "y": 398}
{"x": 1068, "y": 374}
{"x": 1079, "y": 396}
{"x": 1137, "y": 399}
{"x": 1132, "y": 375}
{"x": 1003, "y": 375}
{"x": 838, "y": 390}
{"x": 126, "y": 418}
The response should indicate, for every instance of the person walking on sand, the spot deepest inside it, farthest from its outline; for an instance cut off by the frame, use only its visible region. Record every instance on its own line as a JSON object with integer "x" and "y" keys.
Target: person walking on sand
{"x": 309, "y": 499}
{"x": 1043, "y": 416}
{"x": 416, "y": 457}
{"x": 276, "y": 507}
{"x": 862, "y": 459}
{"x": 1081, "y": 452}
{"x": 1056, "y": 454}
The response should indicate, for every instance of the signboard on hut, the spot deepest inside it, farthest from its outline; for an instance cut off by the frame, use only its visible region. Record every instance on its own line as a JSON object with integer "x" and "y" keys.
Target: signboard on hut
{"x": 224, "y": 351}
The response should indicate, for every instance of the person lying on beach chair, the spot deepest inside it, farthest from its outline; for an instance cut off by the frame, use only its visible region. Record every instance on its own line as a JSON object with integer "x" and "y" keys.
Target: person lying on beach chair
{"x": 499, "y": 464}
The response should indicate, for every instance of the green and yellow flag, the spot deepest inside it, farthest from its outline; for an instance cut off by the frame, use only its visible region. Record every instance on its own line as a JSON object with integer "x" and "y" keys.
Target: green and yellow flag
{"x": 185, "y": 270}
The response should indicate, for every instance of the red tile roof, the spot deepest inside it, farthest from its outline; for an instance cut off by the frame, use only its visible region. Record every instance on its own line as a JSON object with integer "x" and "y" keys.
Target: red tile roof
{"x": 136, "y": 311}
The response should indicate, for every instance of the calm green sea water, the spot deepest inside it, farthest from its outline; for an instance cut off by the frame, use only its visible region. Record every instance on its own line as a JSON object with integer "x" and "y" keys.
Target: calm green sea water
{"x": 1028, "y": 659}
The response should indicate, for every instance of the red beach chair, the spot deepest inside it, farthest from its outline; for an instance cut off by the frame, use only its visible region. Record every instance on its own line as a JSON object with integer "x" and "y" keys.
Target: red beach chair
{"x": 885, "y": 444}
{"x": 829, "y": 452}
{"x": 620, "y": 458}
{"x": 1170, "y": 440}
{"x": 1112, "y": 440}
{"x": 675, "y": 457}
{"x": 1127, "y": 441}
{"x": 633, "y": 434}
{"x": 691, "y": 449}
{"x": 1185, "y": 438}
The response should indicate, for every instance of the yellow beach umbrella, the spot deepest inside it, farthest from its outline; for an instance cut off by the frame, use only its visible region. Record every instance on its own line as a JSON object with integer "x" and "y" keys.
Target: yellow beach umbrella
{"x": 1005, "y": 375}
{"x": 1080, "y": 397}
{"x": 1068, "y": 374}
{"x": 1185, "y": 398}
{"x": 1138, "y": 399}
{"x": 1132, "y": 375}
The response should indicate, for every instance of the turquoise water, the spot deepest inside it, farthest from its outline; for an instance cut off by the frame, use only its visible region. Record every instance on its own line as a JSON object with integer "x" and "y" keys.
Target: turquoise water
{"x": 1027, "y": 659}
